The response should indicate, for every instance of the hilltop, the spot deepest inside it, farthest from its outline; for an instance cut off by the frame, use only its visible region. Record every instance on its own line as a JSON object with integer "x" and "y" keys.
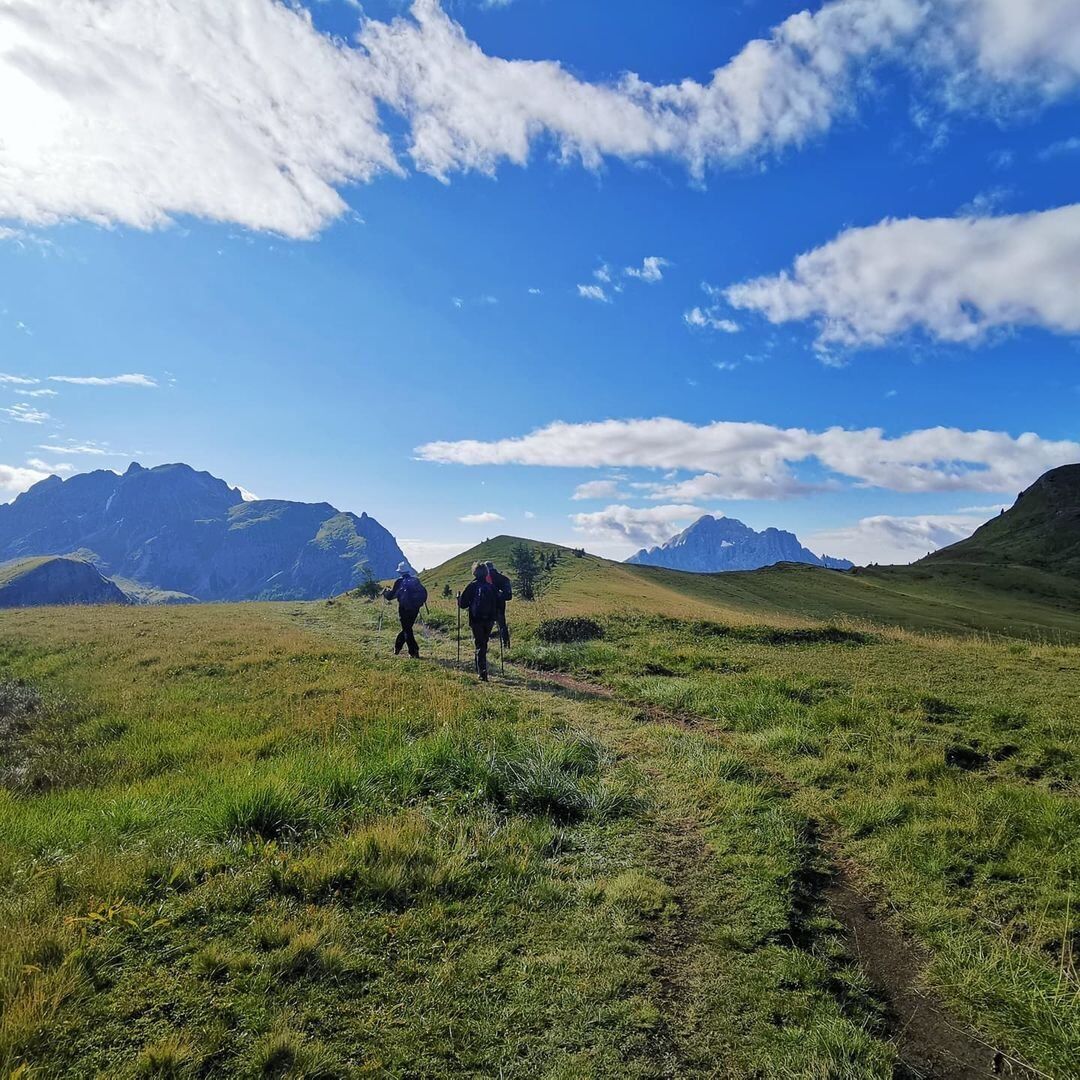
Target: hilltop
{"x": 56, "y": 580}
{"x": 715, "y": 544}
{"x": 1041, "y": 530}
{"x": 185, "y": 532}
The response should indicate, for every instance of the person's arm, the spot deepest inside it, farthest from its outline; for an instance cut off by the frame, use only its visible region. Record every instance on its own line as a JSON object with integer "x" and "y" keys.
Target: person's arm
{"x": 391, "y": 594}
{"x": 465, "y": 598}
{"x": 506, "y": 591}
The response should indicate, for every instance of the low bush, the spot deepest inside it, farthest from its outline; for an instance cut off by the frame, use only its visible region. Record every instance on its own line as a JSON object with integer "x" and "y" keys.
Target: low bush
{"x": 568, "y": 630}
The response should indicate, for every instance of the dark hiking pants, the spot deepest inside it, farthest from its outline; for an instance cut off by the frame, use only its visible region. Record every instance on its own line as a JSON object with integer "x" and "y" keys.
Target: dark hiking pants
{"x": 406, "y": 637}
{"x": 481, "y": 632}
{"x": 504, "y": 629}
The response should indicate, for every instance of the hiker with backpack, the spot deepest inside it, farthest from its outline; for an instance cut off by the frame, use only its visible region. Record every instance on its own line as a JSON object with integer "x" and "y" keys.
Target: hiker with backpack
{"x": 506, "y": 592}
{"x": 480, "y": 598}
{"x": 411, "y": 596}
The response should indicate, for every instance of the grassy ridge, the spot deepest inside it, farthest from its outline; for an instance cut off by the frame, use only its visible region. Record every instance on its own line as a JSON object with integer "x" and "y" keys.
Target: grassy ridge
{"x": 1015, "y": 602}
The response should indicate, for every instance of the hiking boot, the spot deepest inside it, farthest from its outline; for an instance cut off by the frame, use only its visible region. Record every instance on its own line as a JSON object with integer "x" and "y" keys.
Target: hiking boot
{"x": 483, "y": 676}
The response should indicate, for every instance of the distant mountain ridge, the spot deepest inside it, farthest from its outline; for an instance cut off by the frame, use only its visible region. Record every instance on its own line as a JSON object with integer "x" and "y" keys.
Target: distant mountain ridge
{"x": 715, "y": 545}
{"x": 174, "y": 529}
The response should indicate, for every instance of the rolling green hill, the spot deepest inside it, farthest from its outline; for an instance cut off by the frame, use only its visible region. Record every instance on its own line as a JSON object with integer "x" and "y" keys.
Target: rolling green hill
{"x": 1041, "y": 531}
{"x": 931, "y": 596}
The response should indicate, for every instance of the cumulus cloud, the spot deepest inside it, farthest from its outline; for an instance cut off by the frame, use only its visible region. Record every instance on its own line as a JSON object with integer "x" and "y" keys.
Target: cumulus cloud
{"x": 18, "y": 380}
{"x": 106, "y": 380}
{"x": 642, "y": 526}
{"x": 891, "y": 540}
{"x": 140, "y": 111}
{"x": 650, "y": 271}
{"x": 955, "y": 279}
{"x": 596, "y": 489}
{"x": 15, "y": 478}
{"x": 481, "y": 519}
{"x": 739, "y": 460}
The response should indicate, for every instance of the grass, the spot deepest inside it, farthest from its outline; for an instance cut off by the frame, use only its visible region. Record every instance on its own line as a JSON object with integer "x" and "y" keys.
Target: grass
{"x": 243, "y": 841}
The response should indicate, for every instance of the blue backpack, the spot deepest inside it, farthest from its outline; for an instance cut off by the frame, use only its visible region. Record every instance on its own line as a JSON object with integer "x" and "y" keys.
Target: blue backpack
{"x": 411, "y": 593}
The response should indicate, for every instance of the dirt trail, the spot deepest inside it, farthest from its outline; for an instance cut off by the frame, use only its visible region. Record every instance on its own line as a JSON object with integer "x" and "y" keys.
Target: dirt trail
{"x": 932, "y": 1044}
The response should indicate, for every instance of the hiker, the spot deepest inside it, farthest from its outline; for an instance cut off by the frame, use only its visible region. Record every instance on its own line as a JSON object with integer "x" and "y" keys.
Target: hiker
{"x": 411, "y": 596}
{"x": 481, "y": 600}
{"x": 506, "y": 592}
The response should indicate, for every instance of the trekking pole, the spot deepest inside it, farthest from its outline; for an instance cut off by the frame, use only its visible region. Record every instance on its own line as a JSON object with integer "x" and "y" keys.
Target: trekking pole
{"x": 459, "y": 630}
{"x": 502, "y": 658}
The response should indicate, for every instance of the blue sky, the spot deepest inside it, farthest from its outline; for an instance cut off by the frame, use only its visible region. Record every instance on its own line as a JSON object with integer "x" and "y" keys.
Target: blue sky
{"x": 832, "y": 288}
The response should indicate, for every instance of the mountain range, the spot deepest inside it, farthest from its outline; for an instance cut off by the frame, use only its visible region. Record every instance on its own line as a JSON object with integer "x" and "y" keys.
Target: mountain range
{"x": 713, "y": 545}
{"x": 175, "y": 531}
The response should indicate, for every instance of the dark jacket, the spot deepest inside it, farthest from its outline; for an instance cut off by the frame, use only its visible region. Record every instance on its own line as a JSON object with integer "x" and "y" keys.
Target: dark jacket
{"x": 502, "y": 583}
{"x": 466, "y": 598}
{"x": 395, "y": 594}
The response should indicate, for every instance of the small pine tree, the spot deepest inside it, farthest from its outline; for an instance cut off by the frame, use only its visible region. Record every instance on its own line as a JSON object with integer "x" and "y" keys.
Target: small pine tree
{"x": 447, "y": 591}
{"x": 526, "y": 568}
{"x": 369, "y": 588}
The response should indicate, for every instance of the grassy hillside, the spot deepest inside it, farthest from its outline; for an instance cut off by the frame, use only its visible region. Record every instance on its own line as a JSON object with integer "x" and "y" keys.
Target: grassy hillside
{"x": 1022, "y": 602}
{"x": 731, "y": 835}
{"x": 1041, "y": 531}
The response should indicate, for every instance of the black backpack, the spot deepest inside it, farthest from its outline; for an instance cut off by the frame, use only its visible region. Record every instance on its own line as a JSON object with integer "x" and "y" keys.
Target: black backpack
{"x": 411, "y": 594}
{"x": 484, "y": 605}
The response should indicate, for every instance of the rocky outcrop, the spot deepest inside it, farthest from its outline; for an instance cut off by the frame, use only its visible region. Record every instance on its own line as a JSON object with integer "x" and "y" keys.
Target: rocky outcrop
{"x": 34, "y": 582}
{"x": 713, "y": 545}
{"x": 174, "y": 529}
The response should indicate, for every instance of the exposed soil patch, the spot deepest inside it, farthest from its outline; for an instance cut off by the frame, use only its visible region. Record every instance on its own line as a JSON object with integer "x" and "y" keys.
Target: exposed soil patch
{"x": 932, "y": 1044}
{"x": 680, "y": 855}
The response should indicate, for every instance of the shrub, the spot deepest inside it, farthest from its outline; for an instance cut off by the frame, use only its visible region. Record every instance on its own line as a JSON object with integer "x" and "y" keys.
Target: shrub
{"x": 568, "y": 630}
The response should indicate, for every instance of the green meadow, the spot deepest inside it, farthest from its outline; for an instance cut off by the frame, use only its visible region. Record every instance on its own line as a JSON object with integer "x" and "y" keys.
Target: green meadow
{"x": 245, "y": 840}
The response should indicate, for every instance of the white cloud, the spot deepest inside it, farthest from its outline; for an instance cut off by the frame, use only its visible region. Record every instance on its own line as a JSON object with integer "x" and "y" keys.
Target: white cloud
{"x": 596, "y": 489}
{"x": 25, "y": 413}
{"x": 536, "y": 292}
{"x": 712, "y": 316}
{"x": 953, "y": 278}
{"x": 593, "y": 292}
{"x": 700, "y": 319}
{"x": 15, "y": 479}
{"x": 73, "y": 447}
{"x": 890, "y": 540}
{"x": 650, "y": 271}
{"x": 643, "y": 526}
{"x": 746, "y": 460}
{"x": 486, "y": 518}
{"x": 1060, "y": 148}
{"x": 529, "y": 515}
{"x": 18, "y": 380}
{"x": 426, "y": 554}
{"x": 106, "y": 380}
{"x": 38, "y": 393}
{"x": 139, "y": 111}
{"x": 58, "y": 469}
